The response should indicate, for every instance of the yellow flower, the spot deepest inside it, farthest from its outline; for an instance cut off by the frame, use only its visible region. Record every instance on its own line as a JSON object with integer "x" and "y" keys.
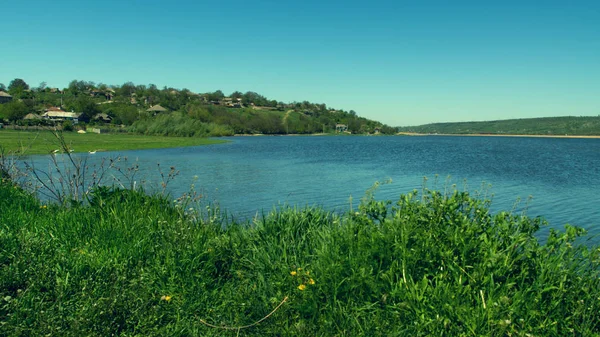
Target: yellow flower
{"x": 166, "y": 298}
{"x": 299, "y": 269}
{"x": 293, "y": 273}
{"x": 302, "y": 287}
{"x": 311, "y": 281}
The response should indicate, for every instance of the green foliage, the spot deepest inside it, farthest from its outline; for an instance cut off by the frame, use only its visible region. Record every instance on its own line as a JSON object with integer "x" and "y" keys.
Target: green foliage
{"x": 527, "y": 126}
{"x": 17, "y": 87}
{"x": 67, "y": 126}
{"x": 430, "y": 264}
{"x": 77, "y": 88}
{"x": 44, "y": 98}
{"x": 215, "y": 96}
{"x": 177, "y": 124}
{"x": 13, "y": 110}
{"x": 127, "y": 104}
{"x": 125, "y": 114}
{"x": 85, "y": 105}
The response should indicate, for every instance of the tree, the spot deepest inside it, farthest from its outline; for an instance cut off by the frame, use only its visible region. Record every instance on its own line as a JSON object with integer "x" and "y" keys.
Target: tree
{"x": 42, "y": 86}
{"x": 85, "y": 105}
{"x": 76, "y": 87}
{"x": 236, "y": 94}
{"x": 152, "y": 94}
{"x": 124, "y": 114}
{"x": 126, "y": 89}
{"x": 2, "y": 87}
{"x": 216, "y": 96}
{"x": 15, "y": 110}
{"x": 252, "y": 97}
{"x": 17, "y": 87}
{"x": 388, "y": 130}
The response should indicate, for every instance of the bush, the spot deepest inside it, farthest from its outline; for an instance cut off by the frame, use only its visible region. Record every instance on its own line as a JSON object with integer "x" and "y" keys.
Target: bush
{"x": 67, "y": 126}
{"x": 177, "y": 124}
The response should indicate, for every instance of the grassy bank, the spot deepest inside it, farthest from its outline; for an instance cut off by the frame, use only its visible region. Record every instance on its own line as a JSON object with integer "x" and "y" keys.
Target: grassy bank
{"x": 41, "y": 142}
{"x": 134, "y": 265}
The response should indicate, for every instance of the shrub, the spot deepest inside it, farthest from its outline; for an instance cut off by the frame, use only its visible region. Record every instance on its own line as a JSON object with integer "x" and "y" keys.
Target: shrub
{"x": 67, "y": 126}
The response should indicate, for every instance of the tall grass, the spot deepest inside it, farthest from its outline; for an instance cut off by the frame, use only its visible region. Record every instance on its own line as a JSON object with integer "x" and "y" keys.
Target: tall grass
{"x": 130, "y": 264}
{"x": 178, "y": 124}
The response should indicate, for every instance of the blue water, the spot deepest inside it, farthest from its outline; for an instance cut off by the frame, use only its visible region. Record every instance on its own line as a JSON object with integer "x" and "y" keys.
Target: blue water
{"x": 559, "y": 177}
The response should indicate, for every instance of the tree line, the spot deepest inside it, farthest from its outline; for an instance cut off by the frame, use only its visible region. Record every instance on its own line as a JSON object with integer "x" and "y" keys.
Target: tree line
{"x": 127, "y": 106}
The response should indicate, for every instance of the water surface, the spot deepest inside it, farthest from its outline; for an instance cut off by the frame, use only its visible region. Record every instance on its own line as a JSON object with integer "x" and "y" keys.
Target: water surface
{"x": 255, "y": 174}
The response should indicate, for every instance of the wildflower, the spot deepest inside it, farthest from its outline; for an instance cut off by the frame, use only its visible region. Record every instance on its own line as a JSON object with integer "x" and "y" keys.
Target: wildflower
{"x": 293, "y": 273}
{"x": 299, "y": 269}
{"x": 166, "y": 298}
{"x": 302, "y": 287}
{"x": 311, "y": 281}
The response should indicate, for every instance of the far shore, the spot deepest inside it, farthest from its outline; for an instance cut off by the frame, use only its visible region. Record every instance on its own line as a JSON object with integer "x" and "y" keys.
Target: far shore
{"x": 495, "y": 135}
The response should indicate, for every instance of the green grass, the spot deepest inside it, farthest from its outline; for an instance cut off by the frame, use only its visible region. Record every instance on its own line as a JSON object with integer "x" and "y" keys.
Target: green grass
{"x": 430, "y": 264}
{"x": 41, "y": 142}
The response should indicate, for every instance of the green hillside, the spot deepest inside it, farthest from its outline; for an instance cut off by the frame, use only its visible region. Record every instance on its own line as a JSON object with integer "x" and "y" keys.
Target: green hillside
{"x": 585, "y": 126}
{"x": 146, "y": 109}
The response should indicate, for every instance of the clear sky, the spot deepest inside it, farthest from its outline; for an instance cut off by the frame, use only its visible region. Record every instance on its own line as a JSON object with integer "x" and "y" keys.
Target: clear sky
{"x": 399, "y": 62}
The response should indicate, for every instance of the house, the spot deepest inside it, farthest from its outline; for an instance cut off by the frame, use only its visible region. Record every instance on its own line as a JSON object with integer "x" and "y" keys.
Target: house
{"x": 236, "y": 103}
{"x": 105, "y": 93}
{"x": 157, "y": 109}
{"x": 57, "y": 114}
{"x": 102, "y": 117}
{"x": 341, "y": 127}
{"x": 227, "y": 101}
{"x": 32, "y": 116}
{"x": 5, "y": 97}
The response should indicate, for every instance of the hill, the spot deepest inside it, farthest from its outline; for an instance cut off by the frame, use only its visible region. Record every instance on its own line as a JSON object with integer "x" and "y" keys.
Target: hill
{"x": 146, "y": 109}
{"x": 568, "y": 125}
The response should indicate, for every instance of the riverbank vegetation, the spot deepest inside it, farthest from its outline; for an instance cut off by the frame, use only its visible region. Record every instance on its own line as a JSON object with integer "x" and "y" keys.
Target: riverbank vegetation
{"x": 146, "y": 109}
{"x": 430, "y": 263}
{"x": 548, "y": 126}
{"x": 43, "y": 142}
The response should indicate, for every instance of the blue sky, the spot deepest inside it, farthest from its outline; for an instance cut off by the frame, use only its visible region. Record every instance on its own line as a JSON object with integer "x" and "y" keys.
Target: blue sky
{"x": 399, "y": 62}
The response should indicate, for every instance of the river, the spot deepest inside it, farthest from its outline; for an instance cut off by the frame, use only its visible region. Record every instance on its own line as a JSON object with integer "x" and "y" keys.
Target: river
{"x": 557, "y": 178}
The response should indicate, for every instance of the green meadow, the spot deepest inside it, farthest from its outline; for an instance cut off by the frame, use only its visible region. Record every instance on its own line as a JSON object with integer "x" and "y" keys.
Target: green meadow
{"x": 428, "y": 264}
{"x": 43, "y": 142}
